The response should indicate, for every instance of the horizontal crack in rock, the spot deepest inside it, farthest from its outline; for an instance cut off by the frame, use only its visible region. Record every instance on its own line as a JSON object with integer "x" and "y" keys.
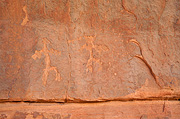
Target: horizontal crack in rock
{"x": 96, "y": 101}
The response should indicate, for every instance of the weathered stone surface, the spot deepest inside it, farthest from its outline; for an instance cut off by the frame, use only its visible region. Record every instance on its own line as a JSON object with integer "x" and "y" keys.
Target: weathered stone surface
{"x": 89, "y": 50}
{"x": 108, "y": 110}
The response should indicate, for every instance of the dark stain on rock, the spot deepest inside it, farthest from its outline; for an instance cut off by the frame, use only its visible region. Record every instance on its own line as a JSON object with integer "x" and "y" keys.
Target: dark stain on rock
{"x": 35, "y": 114}
{"x": 3, "y": 116}
{"x": 19, "y": 115}
{"x": 144, "y": 116}
{"x": 56, "y": 116}
{"x": 67, "y": 117}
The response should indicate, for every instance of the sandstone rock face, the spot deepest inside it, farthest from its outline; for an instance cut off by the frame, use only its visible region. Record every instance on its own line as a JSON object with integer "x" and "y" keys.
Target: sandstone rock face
{"x": 89, "y": 50}
{"x": 108, "y": 110}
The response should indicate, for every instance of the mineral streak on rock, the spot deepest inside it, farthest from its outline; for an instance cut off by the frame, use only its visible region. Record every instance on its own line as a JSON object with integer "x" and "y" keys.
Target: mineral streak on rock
{"x": 48, "y": 67}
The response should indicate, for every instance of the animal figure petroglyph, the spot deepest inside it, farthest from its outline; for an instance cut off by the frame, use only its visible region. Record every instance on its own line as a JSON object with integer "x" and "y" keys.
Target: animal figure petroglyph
{"x": 48, "y": 67}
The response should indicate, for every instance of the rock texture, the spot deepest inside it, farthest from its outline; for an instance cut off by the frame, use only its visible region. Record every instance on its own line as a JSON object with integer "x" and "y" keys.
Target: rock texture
{"x": 89, "y": 50}
{"x": 108, "y": 110}
{"x": 89, "y": 59}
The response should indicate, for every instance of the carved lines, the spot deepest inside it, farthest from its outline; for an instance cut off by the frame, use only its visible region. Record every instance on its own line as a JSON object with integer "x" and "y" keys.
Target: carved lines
{"x": 48, "y": 67}
{"x": 25, "y": 20}
{"x": 90, "y": 46}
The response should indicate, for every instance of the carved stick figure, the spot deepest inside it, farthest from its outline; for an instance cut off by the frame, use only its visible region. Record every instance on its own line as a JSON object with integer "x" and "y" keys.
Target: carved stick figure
{"x": 48, "y": 67}
{"x": 89, "y": 46}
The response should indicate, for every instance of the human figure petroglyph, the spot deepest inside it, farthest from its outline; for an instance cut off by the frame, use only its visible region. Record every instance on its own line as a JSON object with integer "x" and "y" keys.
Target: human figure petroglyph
{"x": 48, "y": 67}
{"x": 90, "y": 46}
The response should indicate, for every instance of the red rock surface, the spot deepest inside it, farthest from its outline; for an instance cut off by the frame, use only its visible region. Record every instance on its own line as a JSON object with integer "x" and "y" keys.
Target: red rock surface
{"x": 108, "y": 110}
{"x": 89, "y": 50}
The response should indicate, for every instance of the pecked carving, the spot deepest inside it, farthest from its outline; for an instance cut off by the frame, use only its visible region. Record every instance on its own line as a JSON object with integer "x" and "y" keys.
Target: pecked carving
{"x": 48, "y": 67}
{"x": 90, "y": 46}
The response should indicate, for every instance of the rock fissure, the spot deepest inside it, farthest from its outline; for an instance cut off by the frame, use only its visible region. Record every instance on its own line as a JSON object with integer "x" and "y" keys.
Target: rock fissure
{"x": 128, "y": 11}
{"x": 69, "y": 57}
{"x": 141, "y": 57}
{"x": 12, "y": 84}
{"x": 75, "y": 100}
{"x": 164, "y": 106}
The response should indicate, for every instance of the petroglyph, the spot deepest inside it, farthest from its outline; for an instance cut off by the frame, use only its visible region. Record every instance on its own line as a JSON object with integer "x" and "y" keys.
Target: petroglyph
{"x": 90, "y": 46}
{"x": 48, "y": 67}
{"x": 141, "y": 57}
{"x": 25, "y": 20}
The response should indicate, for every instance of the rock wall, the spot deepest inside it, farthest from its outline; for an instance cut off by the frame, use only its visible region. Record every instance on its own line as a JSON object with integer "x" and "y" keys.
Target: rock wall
{"x": 84, "y": 51}
{"x": 108, "y": 110}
